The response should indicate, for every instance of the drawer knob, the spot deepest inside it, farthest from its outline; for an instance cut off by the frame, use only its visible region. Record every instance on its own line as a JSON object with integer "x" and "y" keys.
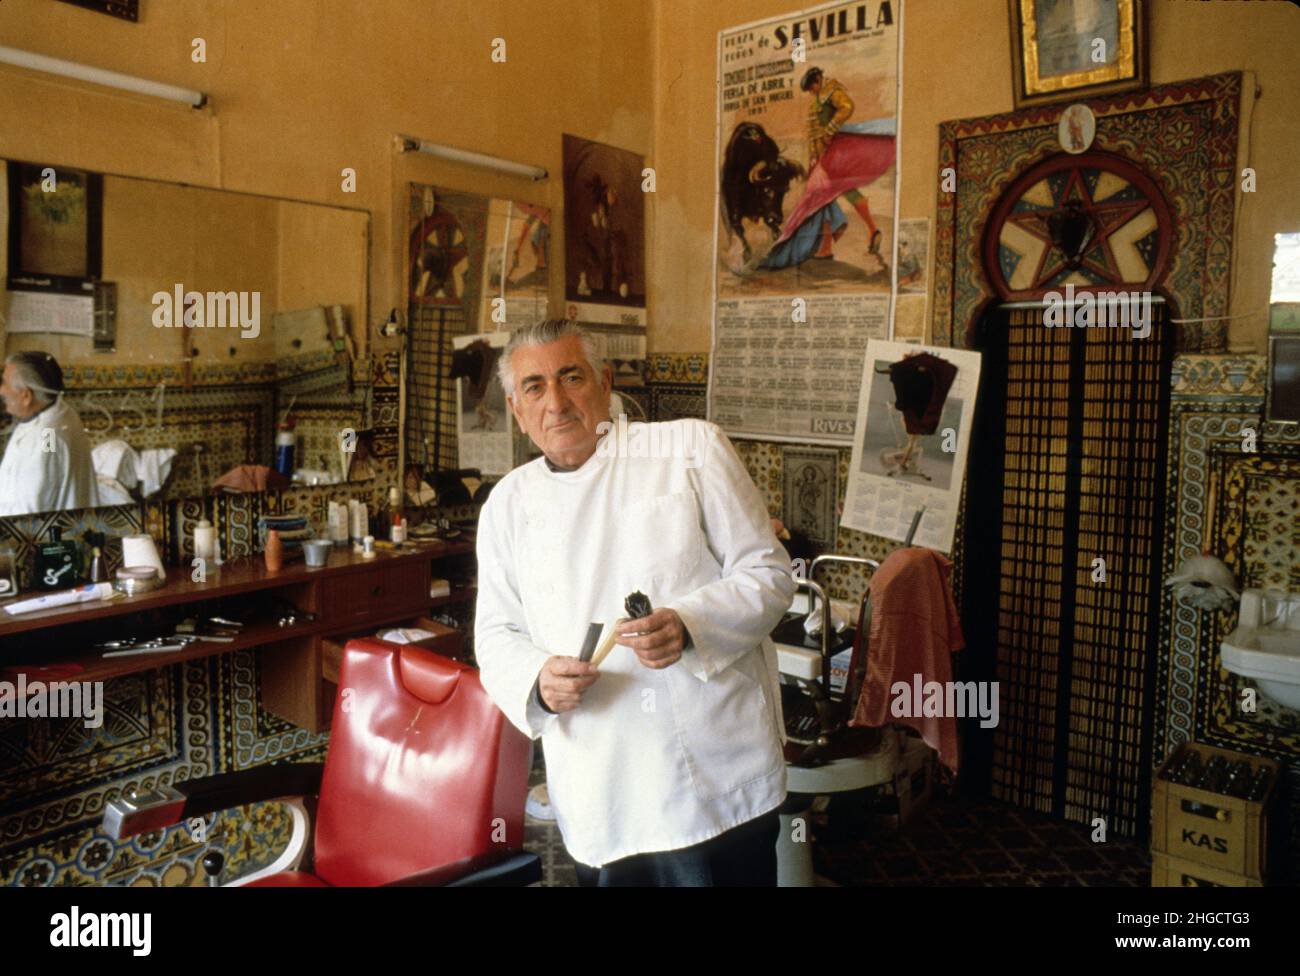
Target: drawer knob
{"x": 376, "y": 590}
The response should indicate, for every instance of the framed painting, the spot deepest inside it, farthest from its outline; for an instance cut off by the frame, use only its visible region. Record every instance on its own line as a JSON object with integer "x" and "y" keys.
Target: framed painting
{"x": 1071, "y": 49}
{"x": 56, "y": 220}
{"x": 123, "y": 9}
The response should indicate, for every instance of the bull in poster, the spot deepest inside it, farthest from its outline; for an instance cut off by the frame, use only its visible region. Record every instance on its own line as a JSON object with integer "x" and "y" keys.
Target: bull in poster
{"x": 807, "y": 176}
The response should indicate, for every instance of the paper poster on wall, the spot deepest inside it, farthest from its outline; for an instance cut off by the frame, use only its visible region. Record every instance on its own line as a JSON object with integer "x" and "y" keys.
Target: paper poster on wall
{"x": 517, "y": 265}
{"x": 804, "y": 250}
{"x": 483, "y": 419}
{"x": 913, "y": 431}
{"x": 909, "y": 318}
{"x": 913, "y": 255}
{"x": 47, "y": 312}
{"x": 604, "y": 233}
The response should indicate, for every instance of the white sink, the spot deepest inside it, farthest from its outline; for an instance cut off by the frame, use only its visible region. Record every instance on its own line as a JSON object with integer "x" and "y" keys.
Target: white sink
{"x": 1265, "y": 647}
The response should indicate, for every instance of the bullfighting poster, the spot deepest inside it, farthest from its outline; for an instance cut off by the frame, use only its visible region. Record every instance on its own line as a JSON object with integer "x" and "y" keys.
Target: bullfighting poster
{"x": 604, "y": 234}
{"x": 805, "y": 247}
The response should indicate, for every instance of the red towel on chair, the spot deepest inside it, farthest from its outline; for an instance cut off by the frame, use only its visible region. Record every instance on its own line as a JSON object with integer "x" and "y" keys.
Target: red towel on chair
{"x": 914, "y": 629}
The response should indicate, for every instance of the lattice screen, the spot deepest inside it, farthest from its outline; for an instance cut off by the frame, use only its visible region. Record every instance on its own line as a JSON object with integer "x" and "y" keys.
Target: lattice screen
{"x": 1086, "y": 418}
{"x": 431, "y": 417}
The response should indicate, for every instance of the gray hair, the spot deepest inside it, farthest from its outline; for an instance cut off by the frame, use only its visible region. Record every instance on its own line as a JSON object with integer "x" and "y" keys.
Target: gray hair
{"x": 38, "y": 372}
{"x": 543, "y": 334}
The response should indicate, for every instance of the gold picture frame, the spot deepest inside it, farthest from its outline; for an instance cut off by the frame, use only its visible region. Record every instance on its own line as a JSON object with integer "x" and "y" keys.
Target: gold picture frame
{"x": 1055, "y": 44}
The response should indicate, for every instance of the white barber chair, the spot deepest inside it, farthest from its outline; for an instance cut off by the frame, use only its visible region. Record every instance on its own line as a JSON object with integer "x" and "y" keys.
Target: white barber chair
{"x": 825, "y": 756}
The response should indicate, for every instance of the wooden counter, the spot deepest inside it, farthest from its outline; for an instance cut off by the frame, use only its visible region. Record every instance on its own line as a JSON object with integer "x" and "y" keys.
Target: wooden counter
{"x": 350, "y": 596}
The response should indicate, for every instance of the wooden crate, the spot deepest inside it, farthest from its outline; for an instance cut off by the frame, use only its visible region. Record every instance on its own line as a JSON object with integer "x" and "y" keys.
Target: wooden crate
{"x": 1226, "y": 833}
{"x": 1175, "y": 872}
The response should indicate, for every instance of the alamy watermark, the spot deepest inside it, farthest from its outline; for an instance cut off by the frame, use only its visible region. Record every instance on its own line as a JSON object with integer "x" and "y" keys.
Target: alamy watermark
{"x": 1100, "y": 310}
{"x": 664, "y": 440}
{"x": 950, "y": 699}
{"x": 57, "y": 699}
{"x": 181, "y": 309}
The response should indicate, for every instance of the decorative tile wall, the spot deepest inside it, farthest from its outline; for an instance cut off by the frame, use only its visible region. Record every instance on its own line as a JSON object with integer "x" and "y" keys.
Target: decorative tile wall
{"x": 168, "y": 725}
{"x": 1244, "y": 507}
{"x": 1184, "y": 135}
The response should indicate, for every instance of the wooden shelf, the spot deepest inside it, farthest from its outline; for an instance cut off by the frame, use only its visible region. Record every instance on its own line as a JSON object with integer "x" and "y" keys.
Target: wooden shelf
{"x": 462, "y": 595}
{"x": 247, "y": 575}
{"x": 52, "y": 645}
{"x": 95, "y": 667}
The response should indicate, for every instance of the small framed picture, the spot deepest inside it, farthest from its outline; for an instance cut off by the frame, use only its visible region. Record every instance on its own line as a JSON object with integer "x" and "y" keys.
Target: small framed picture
{"x": 56, "y": 218}
{"x": 123, "y": 9}
{"x": 1067, "y": 49}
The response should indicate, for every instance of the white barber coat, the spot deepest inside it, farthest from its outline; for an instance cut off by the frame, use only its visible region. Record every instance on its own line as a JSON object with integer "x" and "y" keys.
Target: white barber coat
{"x": 33, "y": 479}
{"x": 652, "y": 760}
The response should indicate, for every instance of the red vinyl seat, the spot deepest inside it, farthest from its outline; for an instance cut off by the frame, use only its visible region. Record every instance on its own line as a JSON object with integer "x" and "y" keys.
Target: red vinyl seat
{"x": 423, "y": 783}
{"x": 423, "y": 771}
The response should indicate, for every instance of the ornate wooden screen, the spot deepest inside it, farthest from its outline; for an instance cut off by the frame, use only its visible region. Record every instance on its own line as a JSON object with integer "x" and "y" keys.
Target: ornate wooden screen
{"x": 1063, "y": 518}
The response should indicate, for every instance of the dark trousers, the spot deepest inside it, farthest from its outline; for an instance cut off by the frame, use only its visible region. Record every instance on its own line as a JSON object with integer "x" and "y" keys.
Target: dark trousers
{"x": 742, "y": 857}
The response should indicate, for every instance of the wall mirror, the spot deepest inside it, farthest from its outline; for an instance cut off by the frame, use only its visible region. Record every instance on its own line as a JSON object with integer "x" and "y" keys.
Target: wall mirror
{"x": 197, "y": 330}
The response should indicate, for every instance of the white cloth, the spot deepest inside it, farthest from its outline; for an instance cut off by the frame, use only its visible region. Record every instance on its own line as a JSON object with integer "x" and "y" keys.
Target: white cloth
{"x": 125, "y": 467}
{"x": 652, "y": 760}
{"x": 47, "y": 472}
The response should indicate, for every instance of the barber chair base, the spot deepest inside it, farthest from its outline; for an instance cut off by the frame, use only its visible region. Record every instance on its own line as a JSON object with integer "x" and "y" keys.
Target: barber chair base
{"x": 794, "y": 862}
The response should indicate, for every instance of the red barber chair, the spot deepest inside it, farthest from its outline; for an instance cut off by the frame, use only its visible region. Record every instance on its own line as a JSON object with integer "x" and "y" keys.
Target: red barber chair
{"x": 423, "y": 784}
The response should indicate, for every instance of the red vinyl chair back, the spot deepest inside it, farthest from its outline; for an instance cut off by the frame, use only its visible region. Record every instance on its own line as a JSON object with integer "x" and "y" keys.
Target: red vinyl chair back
{"x": 422, "y": 769}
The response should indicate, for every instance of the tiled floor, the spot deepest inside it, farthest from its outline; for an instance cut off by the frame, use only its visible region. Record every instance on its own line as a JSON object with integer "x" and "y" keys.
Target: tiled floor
{"x": 952, "y": 842}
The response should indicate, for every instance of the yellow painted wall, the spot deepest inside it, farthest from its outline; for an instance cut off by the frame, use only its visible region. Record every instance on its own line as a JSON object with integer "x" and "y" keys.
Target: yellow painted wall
{"x": 301, "y": 89}
{"x": 157, "y": 235}
{"x": 957, "y": 64}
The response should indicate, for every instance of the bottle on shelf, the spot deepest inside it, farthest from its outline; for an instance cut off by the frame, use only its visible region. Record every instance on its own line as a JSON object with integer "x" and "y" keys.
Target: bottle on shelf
{"x": 1238, "y": 779}
{"x": 396, "y": 521}
{"x": 285, "y": 443}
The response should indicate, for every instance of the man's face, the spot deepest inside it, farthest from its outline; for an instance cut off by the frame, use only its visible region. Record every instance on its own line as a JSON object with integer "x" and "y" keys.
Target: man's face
{"x": 559, "y": 400}
{"x": 19, "y": 401}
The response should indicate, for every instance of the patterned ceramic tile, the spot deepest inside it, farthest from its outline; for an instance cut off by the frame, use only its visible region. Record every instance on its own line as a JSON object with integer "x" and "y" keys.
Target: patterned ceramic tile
{"x": 1184, "y": 135}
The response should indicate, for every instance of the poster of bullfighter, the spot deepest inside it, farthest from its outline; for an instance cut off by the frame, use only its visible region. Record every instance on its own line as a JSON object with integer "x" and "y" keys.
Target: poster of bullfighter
{"x": 604, "y": 233}
{"x": 805, "y": 249}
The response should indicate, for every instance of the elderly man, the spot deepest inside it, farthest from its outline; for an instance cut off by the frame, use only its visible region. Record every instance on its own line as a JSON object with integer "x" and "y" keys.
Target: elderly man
{"x": 665, "y": 765}
{"x": 47, "y": 464}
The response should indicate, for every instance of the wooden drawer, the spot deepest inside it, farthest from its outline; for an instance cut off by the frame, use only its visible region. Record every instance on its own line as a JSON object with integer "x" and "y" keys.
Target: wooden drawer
{"x": 357, "y": 597}
{"x": 447, "y": 641}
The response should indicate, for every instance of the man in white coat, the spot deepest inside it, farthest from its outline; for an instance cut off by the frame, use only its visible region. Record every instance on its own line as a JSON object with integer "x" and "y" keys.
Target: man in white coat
{"x": 665, "y": 765}
{"x": 47, "y": 463}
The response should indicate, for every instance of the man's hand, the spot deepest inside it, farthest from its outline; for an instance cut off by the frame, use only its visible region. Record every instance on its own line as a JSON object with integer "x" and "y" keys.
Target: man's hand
{"x": 657, "y": 640}
{"x": 563, "y": 680}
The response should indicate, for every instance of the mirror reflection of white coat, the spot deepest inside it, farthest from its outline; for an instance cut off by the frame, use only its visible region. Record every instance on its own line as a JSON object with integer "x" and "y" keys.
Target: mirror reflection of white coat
{"x": 47, "y": 464}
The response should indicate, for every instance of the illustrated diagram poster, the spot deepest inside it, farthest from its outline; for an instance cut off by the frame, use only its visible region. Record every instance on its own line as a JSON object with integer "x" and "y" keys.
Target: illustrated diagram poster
{"x": 804, "y": 253}
{"x": 913, "y": 432}
{"x": 604, "y": 233}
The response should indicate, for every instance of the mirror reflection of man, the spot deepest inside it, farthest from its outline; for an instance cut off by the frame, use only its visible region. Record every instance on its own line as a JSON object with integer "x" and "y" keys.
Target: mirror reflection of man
{"x": 47, "y": 462}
